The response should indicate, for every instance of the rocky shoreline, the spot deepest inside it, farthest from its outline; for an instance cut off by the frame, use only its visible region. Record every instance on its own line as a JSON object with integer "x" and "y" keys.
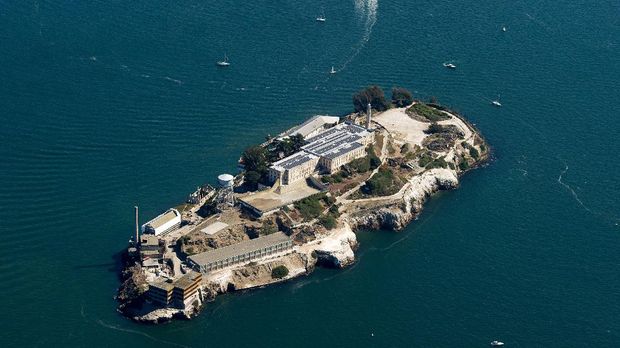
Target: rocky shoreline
{"x": 317, "y": 246}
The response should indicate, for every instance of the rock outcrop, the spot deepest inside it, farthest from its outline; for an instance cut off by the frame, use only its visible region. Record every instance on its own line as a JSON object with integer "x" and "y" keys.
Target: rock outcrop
{"x": 337, "y": 251}
{"x": 396, "y": 213}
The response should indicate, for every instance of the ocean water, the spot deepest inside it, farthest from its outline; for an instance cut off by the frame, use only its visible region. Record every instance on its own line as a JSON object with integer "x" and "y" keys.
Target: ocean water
{"x": 107, "y": 104}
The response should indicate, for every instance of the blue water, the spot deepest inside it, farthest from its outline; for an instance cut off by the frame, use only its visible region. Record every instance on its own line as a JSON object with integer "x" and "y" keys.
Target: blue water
{"x": 105, "y": 104}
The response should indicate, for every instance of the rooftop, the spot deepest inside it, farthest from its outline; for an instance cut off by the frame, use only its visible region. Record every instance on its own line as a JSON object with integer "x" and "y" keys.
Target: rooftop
{"x": 164, "y": 218}
{"x": 293, "y": 160}
{"x": 149, "y": 240}
{"x": 313, "y": 124}
{"x": 336, "y": 141}
{"x": 239, "y": 248}
{"x": 187, "y": 280}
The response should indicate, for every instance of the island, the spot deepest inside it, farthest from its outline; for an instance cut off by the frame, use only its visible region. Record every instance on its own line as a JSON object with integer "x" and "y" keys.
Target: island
{"x": 297, "y": 202}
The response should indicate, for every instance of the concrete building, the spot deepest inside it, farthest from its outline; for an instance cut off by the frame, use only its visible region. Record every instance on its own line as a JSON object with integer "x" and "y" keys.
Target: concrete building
{"x": 243, "y": 252}
{"x": 292, "y": 168}
{"x": 325, "y": 152}
{"x": 168, "y": 221}
{"x": 313, "y": 126}
{"x": 150, "y": 248}
{"x": 180, "y": 293}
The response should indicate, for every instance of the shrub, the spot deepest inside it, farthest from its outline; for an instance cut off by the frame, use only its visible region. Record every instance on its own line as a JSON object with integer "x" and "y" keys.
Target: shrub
{"x": 279, "y": 272}
{"x": 373, "y": 95}
{"x": 382, "y": 184}
{"x": 463, "y": 165}
{"x": 425, "y": 159}
{"x": 268, "y": 228}
{"x": 328, "y": 221}
{"x": 360, "y": 165}
{"x": 310, "y": 207}
{"x": 473, "y": 152}
{"x": 428, "y": 112}
{"x": 401, "y": 97}
{"x": 438, "y": 163}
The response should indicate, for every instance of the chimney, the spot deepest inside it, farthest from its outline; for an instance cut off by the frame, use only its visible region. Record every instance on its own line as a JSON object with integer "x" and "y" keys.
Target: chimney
{"x": 137, "y": 238}
{"x": 368, "y": 115}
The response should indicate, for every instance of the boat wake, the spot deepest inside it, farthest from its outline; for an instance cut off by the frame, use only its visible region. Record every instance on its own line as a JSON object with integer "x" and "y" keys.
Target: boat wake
{"x": 367, "y": 11}
{"x": 570, "y": 189}
{"x": 106, "y": 325}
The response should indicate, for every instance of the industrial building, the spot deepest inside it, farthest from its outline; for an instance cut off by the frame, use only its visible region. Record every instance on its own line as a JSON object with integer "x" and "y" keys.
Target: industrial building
{"x": 180, "y": 293}
{"x": 245, "y": 251}
{"x": 150, "y": 250}
{"x": 313, "y": 126}
{"x": 168, "y": 221}
{"x": 325, "y": 152}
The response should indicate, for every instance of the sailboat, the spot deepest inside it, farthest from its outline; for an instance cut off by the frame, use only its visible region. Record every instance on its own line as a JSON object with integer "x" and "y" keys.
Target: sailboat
{"x": 223, "y": 62}
{"x": 333, "y": 71}
{"x": 321, "y": 17}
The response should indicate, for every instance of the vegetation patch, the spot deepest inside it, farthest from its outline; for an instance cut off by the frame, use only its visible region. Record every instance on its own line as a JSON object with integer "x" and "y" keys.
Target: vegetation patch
{"x": 423, "y": 112}
{"x": 311, "y": 207}
{"x": 401, "y": 97}
{"x": 384, "y": 183}
{"x": 373, "y": 95}
{"x": 279, "y": 272}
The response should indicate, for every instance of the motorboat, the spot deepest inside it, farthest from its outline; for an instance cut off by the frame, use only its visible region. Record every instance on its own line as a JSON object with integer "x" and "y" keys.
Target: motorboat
{"x": 497, "y": 343}
{"x": 449, "y": 65}
{"x": 496, "y": 103}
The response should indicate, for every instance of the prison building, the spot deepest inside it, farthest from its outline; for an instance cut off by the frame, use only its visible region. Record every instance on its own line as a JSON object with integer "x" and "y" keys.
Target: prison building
{"x": 243, "y": 252}
{"x": 313, "y": 126}
{"x": 293, "y": 168}
{"x": 179, "y": 293}
{"x": 325, "y": 152}
{"x": 150, "y": 251}
{"x": 168, "y": 221}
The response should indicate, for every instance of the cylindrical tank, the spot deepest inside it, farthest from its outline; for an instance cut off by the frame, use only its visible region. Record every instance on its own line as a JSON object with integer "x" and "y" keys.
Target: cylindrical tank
{"x": 225, "y": 180}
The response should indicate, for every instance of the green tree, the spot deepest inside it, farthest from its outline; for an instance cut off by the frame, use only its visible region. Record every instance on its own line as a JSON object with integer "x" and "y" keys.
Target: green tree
{"x": 373, "y": 95}
{"x": 401, "y": 97}
{"x": 279, "y": 272}
{"x": 251, "y": 179}
{"x": 255, "y": 159}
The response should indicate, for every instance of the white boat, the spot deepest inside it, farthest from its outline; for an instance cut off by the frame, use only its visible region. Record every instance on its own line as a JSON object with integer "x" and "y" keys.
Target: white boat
{"x": 496, "y": 102}
{"x": 497, "y": 343}
{"x": 321, "y": 17}
{"x": 503, "y": 28}
{"x": 333, "y": 71}
{"x": 449, "y": 65}
{"x": 224, "y": 62}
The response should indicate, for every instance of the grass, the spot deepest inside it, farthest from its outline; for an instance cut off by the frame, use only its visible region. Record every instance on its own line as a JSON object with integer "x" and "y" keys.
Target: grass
{"x": 384, "y": 183}
{"x": 429, "y": 113}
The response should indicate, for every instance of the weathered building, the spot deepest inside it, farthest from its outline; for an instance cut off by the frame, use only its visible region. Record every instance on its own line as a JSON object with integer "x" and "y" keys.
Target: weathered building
{"x": 245, "y": 251}
{"x": 180, "y": 293}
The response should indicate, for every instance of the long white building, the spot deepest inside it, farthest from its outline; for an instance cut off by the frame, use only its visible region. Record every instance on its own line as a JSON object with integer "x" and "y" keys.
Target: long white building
{"x": 168, "y": 221}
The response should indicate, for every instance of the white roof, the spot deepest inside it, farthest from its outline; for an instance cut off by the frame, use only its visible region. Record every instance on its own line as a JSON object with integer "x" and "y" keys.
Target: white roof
{"x": 313, "y": 124}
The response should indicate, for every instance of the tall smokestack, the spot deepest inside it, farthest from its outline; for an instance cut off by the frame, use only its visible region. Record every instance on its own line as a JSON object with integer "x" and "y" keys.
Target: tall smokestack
{"x": 137, "y": 238}
{"x": 368, "y": 114}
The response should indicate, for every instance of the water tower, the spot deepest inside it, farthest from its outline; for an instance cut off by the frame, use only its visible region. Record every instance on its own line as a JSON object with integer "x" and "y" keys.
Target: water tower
{"x": 225, "y": 195}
